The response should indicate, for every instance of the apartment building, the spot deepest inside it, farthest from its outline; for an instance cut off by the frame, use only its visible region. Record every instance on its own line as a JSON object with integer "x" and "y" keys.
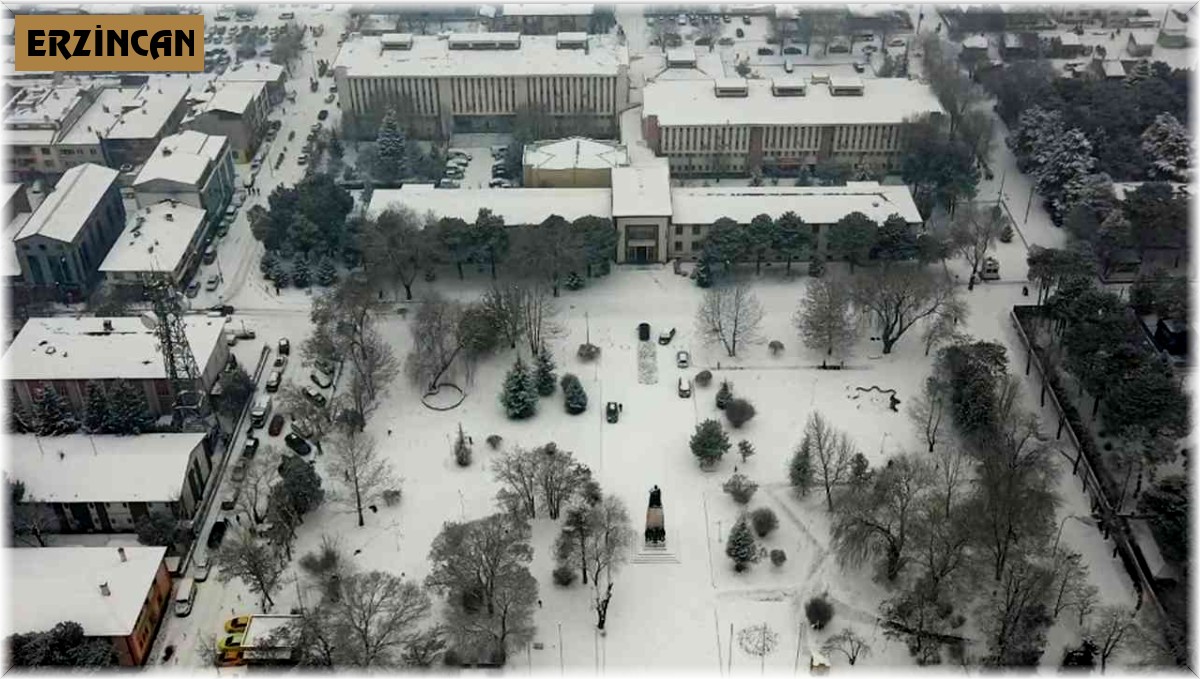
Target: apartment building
{"x": 479, "y": 82}
{"x": 737, "y": 126}
{"x": 36, "y": 117}
{"x": 60, "y": 247}
{"x": 192, "y": 168}
{"x": 545, "y": 19}
{"x": 162, "y": 238}
{"x": 235, "y": 110}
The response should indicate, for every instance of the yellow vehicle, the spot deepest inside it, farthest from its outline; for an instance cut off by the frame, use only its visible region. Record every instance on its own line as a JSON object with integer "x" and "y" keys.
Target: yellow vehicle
{"x": 233, "y": 658}
{"x": 237, "y": 625}
{"x": 230, "y": 642}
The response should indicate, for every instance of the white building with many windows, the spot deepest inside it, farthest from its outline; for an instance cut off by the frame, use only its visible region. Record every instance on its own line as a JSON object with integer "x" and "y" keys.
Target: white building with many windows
{"x": 732, "y": 125}
{"x": 478, "y": 82}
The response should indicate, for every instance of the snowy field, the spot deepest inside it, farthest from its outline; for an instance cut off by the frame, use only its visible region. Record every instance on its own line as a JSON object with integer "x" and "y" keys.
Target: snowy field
{"x": 675, "y": 616}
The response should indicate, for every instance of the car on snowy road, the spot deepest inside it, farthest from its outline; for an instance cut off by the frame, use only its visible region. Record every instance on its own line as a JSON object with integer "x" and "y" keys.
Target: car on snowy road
{"x": 297, "y": 444}
{"x": 250, "y": 447}
{"x": 237, "y": 625}
{"x": 202, "y": 569}
{"x": 682, "y": 359}
{"x": 273, "y": 381}
{"x": 685, "y": 387}
{"x": 239, "y": 471}
{"x": 665, "y": 337}
{"x": 612, "y": 412}
{"x": 212, "y": 283}
{"x": 321, "y": 379}
{"x": 217, "y": 534}
{"x": 285, "y": 347}
{"x": 316, "y": 397}
{"x": 276, "y": 425}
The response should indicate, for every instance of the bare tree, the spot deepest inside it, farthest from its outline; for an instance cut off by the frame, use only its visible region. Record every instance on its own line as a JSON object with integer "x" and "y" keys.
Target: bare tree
{"x": 875, "y": 519}
{"x": 1109, "y": 629}
{"x": 758, "y": 640}
{"x": 261, "y": 474}
{"x": 363, "y": 475}
{"x": 372, "y": 617}
{"x": 396, "y": 245}
{"x": 711, "y": 31}
{"x": 730, "y": 315}
{"x": 507, "y": 622}
{"x": 608, "y": 543}
{"x": 831, "y": 452}
{"x": 1071, "y": 587}
{"x": 898, "y": 296}
{"x": 253, "y": 562}
{"x": 954, "y": 89}
{"x": 28, "y": 518}
{"x": 928, "y": 411}
{"x": 373, "y": 367}
{"x": 848, "y": 643}
{"x": 505, "y": 308}
{"x": 943, "y": 327}
{"x": 1015, "y": 617}
{"x": 437, "y": 341}
{"x": 538, "y": 312}
{"x": 558, "y": 477}
{"x": 974, "y": 230}
{"x": 518, "y": 470}
{"x": 824, "y": 318}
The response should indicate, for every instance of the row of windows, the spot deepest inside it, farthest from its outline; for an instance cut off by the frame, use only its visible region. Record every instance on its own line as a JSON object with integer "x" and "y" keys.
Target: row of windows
{"x": 867, "y": 138}
{"x": 569, "y": 94}
{"x": 791, "y": 138}
{"x": 705, "y": 138}
{"x": 559, "y": 94}
{"x": 419, "y": 93}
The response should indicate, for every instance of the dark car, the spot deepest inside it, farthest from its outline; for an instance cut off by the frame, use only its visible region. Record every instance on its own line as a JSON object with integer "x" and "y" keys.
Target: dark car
{"x": 322, "y": 114}
{"x": 315, "y": 396}
{"x": 217, "y": 534}
{"x": 223, "y": 309}
{"x": 250, "y": 447}
{"x": 644, "y": 332}
{"x": 285, "y": 347}
{"x": 276, "y": 425}
{"x": 665, "y": 337}
{"x": 765, "y": 51}
{"x": 612, "y": 411}
{"x": 297, "y": 444}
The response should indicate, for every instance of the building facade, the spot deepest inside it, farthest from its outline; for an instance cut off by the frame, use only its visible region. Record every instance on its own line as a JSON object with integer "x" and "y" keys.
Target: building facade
{"x": 545, "y": 19}
{"x": 735, "y": 126}
{"x": 164, "y": 238}
{"x": 575, "y": 162}
{"x": 61, "y": 246}
{"x": 236, "y": 111}
{"x": 481, "y": 82}
{"x": 192, "y": 168}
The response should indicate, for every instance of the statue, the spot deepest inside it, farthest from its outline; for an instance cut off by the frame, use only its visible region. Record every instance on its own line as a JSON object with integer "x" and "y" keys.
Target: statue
{"x": 655, "y": 530}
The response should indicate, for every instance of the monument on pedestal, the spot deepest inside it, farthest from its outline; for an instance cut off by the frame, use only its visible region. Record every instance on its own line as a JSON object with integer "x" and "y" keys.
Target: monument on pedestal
{"x": 656, "y": 531}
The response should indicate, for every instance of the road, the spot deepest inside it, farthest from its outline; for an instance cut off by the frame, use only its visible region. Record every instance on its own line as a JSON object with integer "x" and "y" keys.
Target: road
{"x": 237, "y": 260}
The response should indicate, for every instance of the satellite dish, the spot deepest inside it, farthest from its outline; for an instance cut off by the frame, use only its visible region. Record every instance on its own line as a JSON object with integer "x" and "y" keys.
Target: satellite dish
{"x": 149, "y": 320}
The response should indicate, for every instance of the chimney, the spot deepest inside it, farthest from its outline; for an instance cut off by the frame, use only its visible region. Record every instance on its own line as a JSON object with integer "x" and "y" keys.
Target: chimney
{"x": 104, "y": 590}
{"x": 121, "y": 553}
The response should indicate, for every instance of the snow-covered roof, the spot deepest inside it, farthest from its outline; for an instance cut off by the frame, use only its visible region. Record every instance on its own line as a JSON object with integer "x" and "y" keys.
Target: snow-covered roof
{"x": 231, "y": 97}
{"x": 1069, "y": 39}
{"x": 262, "y": 628}
{"x": 975, "y": 42}
{"x": 8, "y": 193}
{"x": 156, "y": 238}
{"x": 67, "y": 208}
{"x": 10, "y": 264}
{"x": 682, "y": 55}
{"x": 432, "y": 57}
{"x": 1122, "y": 189}
{"x": 257, "y": 71}
{"x": 516, "y": 206}
{"x": 1114, "y": 69}
{"x": 83, "y": 468}
{"x": 693, "y": 102}
{"x": 574, "y": 153}
{"x": 53, "y": 584}
{"x": 813, "y": 204}
{"x": 129, "y": 112}
{"x": 182, "y": 158}
{"x": 67, "y": 348}
{"x": 548, "y": 9}
{"x": 642, "y": 190}
{"x": 43, "y": 107}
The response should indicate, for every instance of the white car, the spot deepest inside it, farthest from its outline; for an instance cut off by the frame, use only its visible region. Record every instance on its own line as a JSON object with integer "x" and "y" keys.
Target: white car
{"x": 685, "y": 387}
{"x": 201, "y": 569}
{"x": 682, "y": 359}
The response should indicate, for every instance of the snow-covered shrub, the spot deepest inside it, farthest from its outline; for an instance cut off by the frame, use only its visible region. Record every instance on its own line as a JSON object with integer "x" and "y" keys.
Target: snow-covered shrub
{"x": 588, "y": 352}
{"x": 819, "y": 612}
{"x": 574, "y": 281}
{"x": 740, "y": 488}
{"x": 564, "y": 576}
{"x": 391, "y": 497}
{"x": 494, "y": 441}
{"x": 574, "y": 397}
{"x": 1007, "y": 234}
{"x": 764, "y": 521}
{"x": 816, "y": 268}
{"x": 739, "y": 411}
{"x": 778, "y": 556}
{"x": 724, "y": 394}
{"x": 703, "y": 378}
{"x": 776, "y": 347}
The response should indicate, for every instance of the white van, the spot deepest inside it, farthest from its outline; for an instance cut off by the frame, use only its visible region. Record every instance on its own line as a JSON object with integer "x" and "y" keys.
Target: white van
{"x": 788, "y": 67}
{"x": 185, "y": 596}
{"x": 258, "y": 414}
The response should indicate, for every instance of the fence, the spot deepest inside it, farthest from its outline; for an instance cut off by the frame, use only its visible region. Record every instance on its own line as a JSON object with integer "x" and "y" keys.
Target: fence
{"x": 1112, "y": 523}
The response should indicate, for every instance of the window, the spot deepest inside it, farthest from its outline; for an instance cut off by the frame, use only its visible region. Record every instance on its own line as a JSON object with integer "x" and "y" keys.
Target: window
{"x": 678, "y": 230}
{"x": 816, "y": 228}
{"x": 45, "y": 151}
{"x": 678, "y": 246}
{"x": 695, "y": 231}
{"x": 641, "y": 232}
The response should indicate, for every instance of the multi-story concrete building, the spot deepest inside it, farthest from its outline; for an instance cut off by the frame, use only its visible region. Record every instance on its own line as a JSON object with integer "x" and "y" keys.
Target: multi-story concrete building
{"x": 36, "y": 117}
{"x": 81, "y": 483}
{"x": 62, "y": 244}
{"x": 67, "y": 353}
{"x": 480, "y": 82}
{"x": 272, "y": 75}
{"x": 235, "y": 110}
{"x": 192, "y": 168}
{"x": 736, "y": 126}
{"x": 162, "y": 238}
{"x": 545, "y": 19}
{"x": 119, "y": 594}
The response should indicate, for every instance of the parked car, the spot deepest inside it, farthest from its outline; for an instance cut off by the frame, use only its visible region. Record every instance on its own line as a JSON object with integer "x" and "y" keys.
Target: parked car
{"x": 612, "y": 412}
{"x": 217, "y": 534}
{"x": 859, "y": 68}
{"x": 685, "y": 387}
{"x": 324, "y": 113}
{"x": 285, "y": 347}
{"x": 201, "y": 569}
{"x": 301, "y": 428}
{"x": 223, "y": 309}
{"x": 231, "y": 339}
{"x": 280, "y": 362}
{"x": 449, "y": 184}
{"x": 643, "y": 330}
{"x": 499, "y": 183}
{"x": 765, "y": 51}
{"x": 231, "y": 497}
{"x": 665, "y": 337}
{"x": 297, "y": 444}
{"x": 792, "y": 49}
{"x": 896, "y": 42}
{"x": 250, "y": 447}
{"x": 725, "y": 41}
{"x": 740, "y": 33}
{"x": 239, "y": 471}
{"x": 303, "y": 159}
{"x": 246, "y": 335}
{"x": 237, "y": 625}
{"x": 212, "y": 283}
{"x": 276, "y": 425}
{"x": 321, "y": 379}
{"x": 231, "y": 642}
{"x": 315, "y": 396}
{"x": 273, "y": 381}
{"x": 192, "y": 289}
{"x": 682, "y": 359}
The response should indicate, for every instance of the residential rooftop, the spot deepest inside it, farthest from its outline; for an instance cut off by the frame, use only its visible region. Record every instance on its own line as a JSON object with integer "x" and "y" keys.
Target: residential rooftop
{"x": 43, "y": 107}
{"x": 229, "y": 97}
{"x": 693, "y": 102}
{"x": 67, "y": 348}
{"x": 813, "y": 204}
{"x": 66, "y": 209}
{"x": 53, "y": 584}
{"x": 575, "y": 153}
{"x": 104, "y": 468}
{"x": 431, "y": 56}
{"x": 140, "y": 112}
{"x": 516, "y": 206}
{"x": 182, "y": 158}
{"x": 642, "y": 190}
{"x": 548, "y": 9}
{"x": 156, "y": 238}
{"x": 256, "y": 71}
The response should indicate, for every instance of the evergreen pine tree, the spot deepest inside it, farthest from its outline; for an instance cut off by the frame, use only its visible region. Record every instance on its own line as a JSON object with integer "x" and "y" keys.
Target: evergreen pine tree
{"x": 574, "y": 397}
{"x": 95, "y": 417}
{"x": 462, "y": 449}
{"x": 391, "y": 148}
{"x": 724, "y": 394}
{"x": 745, "y": 449}
{"x": 281, "y": 274}
{"x": 703, "y": 274}
{"x": 129, "y": 413}
{"x": 300, "y": 273}
{"x": 574, "y": 281}
{"x": 52, "y": 415}
{"x": 740, "y": 546}
{"x": 519, "y": 396}
{"x": 268, "y": 262}
{"x": 326, "y": 272}
{"x": 544, "y": 372}
{"x": 800, "y": 470}
{"x": 709, "y": 443}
